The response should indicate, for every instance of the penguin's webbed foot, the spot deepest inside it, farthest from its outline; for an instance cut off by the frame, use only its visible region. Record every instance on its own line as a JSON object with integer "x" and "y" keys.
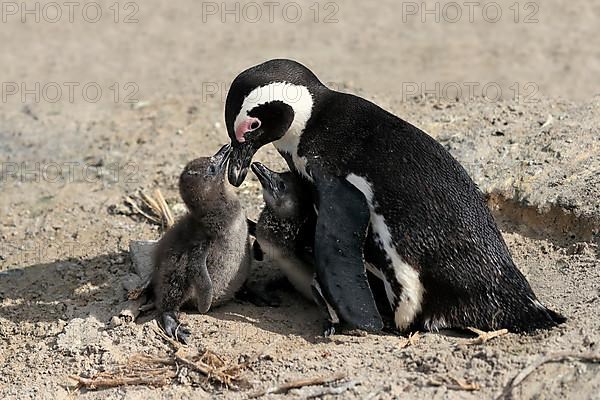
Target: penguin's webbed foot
{"x": 389, "y": 326}
{"x": 328, "y": 329}
{"x": 175, "y": 329}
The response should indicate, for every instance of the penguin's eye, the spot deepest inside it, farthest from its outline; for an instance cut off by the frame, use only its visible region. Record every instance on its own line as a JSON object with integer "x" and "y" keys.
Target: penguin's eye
{"x": 254, "y": 125}
{"x": 281, "y": 185}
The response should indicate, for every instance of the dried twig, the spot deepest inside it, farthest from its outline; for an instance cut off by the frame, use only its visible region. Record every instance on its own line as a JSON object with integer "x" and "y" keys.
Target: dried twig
{"x": 520, "y": 377}
{"x": 134, "y": 207}
{"x": 208, "y": 364}
{"x": 165, "y": 209}
{"x": 335, "y": 390}
{"x": 139, "y": 370}
{"x": 151, "y": 370}
{"x": 453, "y": 383}
{"x": 131, "y": 309}
{"x": 483, "y": 337}
{"x": 411, "y": 340}
{"x": 320, "y": 380}
{"x": 110, "y": 382}
{"x": 461, "y": 384}
{"x": 159, "y": 207}
{"x": 160, "y": 211}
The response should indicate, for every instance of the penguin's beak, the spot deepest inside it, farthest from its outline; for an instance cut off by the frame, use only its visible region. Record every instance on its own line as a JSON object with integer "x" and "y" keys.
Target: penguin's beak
{"x": 221, "y": 157}
{"x": 239, "y": 161}
{"x": 265, "y": 176}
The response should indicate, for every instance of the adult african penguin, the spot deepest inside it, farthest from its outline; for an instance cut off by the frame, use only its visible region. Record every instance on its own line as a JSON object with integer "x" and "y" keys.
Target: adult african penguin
{"x": 369, "y": 170}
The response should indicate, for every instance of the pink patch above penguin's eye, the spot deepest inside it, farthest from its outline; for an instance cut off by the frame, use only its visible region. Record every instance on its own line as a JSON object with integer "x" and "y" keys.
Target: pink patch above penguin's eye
{"x": 248, "y": 125}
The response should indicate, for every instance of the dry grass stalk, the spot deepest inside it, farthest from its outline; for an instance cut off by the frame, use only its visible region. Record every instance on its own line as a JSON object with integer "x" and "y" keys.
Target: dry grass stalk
{"x": 140, "y": 370}
{"x": 136, "y": 209}
{"x": 411, "y": 340}
{"x": 208, "y": 363}
{"x": 159, "y": 211}
{"x": 320, "y": 380}
{"x": 554, "y": 357}
{"x": 483, "y": 337}
{"x": 461, "y": 384}
{"x": 159, "y": 207}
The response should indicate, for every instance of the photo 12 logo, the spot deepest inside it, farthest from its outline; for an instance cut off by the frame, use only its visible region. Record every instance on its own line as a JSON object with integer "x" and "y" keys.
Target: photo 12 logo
{"x": 68, "y": 11}
{"x": 270, "y": 11}
{"x": 488, "y": 91}
{"x": 471, "y": 11}
{"x": 52, "y": 92}
{"x": 67, "y": 172}
{"x": 218, "y": 90}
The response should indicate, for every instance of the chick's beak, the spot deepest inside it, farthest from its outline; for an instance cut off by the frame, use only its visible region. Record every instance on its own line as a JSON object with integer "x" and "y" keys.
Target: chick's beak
{"x": 265, "y": 176}
{"x": 222, "y": 156}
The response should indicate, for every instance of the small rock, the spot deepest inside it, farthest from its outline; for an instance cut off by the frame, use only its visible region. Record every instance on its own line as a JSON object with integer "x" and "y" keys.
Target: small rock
{"x": 82, "y": 335}
{"x": 119, "y": 209}
{"x": 140, "y": 104}
{"x": 141, "y": 252}
{"x": 118, "y": 260}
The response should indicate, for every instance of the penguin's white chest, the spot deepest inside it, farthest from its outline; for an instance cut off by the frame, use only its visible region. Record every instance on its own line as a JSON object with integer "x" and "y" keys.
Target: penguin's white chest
{"x": 289, "y": 144}
{"x": 406, "y": 304}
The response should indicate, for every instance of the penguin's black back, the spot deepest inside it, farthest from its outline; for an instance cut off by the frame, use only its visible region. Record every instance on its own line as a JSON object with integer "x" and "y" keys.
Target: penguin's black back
{"x": 438, "y": 218}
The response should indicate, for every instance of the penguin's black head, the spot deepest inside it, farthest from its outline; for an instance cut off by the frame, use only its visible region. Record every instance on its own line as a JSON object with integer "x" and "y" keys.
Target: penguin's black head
{"x": 203, "y": 179}
{"x": 266, "y": 103}
{"x": 282, "y": 192}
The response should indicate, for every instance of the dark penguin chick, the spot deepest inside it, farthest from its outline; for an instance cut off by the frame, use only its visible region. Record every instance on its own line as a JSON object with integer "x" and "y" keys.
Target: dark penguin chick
{"x": 205, "y": 257}
{"x": 285, "y": 227}
{"x": 285, "y": 231}
{"x": 435, "y": 241}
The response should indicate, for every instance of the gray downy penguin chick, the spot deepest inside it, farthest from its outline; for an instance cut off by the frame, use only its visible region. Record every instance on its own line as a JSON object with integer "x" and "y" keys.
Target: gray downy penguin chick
{"x": 285, "y": 231}
{"x": 285, "y": 227}
{"x": 205, "y": 257}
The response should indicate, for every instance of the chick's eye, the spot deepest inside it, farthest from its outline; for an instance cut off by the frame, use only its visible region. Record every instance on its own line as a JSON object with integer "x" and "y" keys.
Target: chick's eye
{"x": 211, "y": 170}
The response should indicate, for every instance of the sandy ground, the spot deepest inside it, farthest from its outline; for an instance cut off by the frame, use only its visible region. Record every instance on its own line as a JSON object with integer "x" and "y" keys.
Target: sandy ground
{"x": 68, "y": 164}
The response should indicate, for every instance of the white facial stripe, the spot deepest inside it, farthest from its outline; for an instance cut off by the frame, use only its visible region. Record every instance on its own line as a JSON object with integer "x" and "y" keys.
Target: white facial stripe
{"x": 298, "y": 98}
{"x": 411, "y": 297}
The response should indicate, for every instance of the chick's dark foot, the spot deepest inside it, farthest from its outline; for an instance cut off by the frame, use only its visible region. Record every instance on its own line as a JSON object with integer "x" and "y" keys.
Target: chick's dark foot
{"x": 175, "y": 329}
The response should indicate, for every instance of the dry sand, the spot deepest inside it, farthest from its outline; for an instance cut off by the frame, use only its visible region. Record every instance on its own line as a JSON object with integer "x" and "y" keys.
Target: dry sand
{"x": 67, "y": 167}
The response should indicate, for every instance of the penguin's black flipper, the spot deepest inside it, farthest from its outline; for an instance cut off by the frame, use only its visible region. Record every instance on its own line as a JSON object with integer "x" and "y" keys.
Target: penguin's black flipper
{"x": 257, "y": 251}
{"x": 339, "y": 240}
{"x": 201, "y": 279}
